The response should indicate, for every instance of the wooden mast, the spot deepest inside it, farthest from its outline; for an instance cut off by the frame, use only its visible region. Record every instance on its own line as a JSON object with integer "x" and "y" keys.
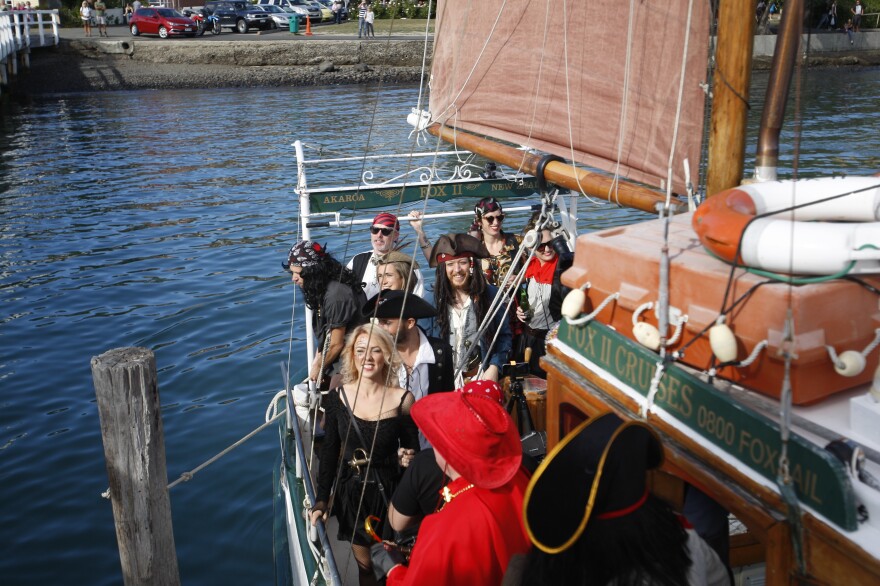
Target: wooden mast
{"x": 727, "y": 134}
{"x": 557, "y": 173}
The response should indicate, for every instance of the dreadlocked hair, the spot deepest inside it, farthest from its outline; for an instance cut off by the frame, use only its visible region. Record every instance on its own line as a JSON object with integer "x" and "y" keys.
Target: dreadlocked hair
{"x": 316, "y": 278}
{"x": 647, "y": 546}
{"x": 445, "y": 296}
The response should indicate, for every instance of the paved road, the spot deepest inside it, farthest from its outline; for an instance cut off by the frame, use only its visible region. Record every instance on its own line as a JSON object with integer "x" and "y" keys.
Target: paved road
{"x": 322, "y": 32}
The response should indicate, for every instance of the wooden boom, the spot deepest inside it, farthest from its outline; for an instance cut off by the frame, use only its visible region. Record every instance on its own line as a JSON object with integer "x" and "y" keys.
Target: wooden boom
{"x": 558, "y": 173}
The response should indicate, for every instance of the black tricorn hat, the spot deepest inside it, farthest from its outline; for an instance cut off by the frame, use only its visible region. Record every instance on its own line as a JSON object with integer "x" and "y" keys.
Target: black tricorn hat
{"x": 457, "y": 245}
{"x": 596, "y": 471}
{"x": 391, "y": 305}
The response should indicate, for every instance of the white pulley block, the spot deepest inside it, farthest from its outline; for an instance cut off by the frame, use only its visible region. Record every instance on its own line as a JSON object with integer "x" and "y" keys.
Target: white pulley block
{"x": 850, "y": 363}
{"x": 647, "y": 335}
{"x": 531, "y": 238}
{"x": 723, "y": 343}
{"x": 573, "y": 303}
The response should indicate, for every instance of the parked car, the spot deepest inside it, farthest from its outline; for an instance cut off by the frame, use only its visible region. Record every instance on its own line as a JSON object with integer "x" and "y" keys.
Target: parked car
{"x": 326, "y": 13}
{"x": 301, "y": 7}
{"x": 239, "y": 15}
{"x": 329, "y": 4}
{"x": 165, "y": 22}
{"x": 280, "y": 16}
{"x": 302, "y": 16}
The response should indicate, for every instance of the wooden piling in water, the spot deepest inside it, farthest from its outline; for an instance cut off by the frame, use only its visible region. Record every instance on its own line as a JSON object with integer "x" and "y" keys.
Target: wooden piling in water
{"x": 134, "y": 447}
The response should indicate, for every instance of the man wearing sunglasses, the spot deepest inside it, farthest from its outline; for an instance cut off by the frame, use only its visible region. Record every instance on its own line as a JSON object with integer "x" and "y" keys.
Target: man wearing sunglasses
{"x": 384, "y": 233}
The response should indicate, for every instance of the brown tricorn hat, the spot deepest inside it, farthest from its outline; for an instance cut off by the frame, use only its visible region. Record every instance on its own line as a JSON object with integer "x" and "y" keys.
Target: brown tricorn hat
{"x": 452, "y": 246}
{"x": 397, "y": 256}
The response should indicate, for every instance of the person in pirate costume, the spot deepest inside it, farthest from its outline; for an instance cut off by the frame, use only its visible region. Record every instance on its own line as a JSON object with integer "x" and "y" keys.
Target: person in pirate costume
{"x": 426, "y": 361}
{"x": 384, "y": 235}
{"x": 479, "y": 526}
{"x": 418, "y": 493}
{"x": 463, "y": 297}
{"x": 398, "y": 271}
{"x": 592, "y": 519}
{"x": 501, "y": 246}
{"x": 334, "y": 295}
{"x": 366, "y": 420}
{"x": 544, "y": 292}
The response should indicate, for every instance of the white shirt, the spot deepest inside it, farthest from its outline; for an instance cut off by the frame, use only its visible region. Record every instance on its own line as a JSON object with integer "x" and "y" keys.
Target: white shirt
{"x": 539, "y": 299}
{"x": 416, "y": 380}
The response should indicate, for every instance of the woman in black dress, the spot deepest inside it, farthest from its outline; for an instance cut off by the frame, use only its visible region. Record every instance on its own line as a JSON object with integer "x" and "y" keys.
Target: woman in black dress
{"x": 370, "y": 397}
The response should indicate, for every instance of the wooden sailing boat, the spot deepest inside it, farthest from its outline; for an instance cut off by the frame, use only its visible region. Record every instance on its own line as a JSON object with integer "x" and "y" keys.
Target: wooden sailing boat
{"x": 643, "y": 82}
{"x": 749, "y": 432}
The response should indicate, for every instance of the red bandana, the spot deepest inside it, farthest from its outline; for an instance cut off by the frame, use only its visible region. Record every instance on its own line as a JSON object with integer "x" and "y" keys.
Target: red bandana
{"x": 443, "y": 257}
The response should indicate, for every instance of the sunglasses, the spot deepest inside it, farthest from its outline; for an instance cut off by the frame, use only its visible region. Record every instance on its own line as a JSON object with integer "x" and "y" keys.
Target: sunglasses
{"x": 492, "y": 219}
{"x": 544, "y": 246}
{"x": 384, "y": 231}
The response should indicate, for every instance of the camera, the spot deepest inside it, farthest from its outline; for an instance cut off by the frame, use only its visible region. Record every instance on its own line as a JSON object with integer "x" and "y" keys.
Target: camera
{"x": 518, "y": 370}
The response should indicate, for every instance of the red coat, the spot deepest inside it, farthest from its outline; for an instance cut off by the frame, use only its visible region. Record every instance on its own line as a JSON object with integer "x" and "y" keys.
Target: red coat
{"x": 471, "y": 540}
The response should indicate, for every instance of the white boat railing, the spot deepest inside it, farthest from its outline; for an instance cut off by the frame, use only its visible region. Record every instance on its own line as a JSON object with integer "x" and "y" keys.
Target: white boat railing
{"x": 293, "y": 427}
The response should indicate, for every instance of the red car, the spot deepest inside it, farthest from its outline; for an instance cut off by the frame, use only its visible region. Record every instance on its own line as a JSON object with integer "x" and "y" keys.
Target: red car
{"x": 164, "y": 22}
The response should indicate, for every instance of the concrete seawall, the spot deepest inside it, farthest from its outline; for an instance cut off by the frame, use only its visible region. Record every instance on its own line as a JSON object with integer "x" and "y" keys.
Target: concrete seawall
{"x": 277, "y": 58}
{"x": 396, "y": 53}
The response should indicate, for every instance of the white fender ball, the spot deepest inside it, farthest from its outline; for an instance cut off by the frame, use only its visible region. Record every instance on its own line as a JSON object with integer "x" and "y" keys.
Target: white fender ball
{"x": 850, "y": 363}
{"x": 723, "y": 342}
{"x": 647, "y": 335}
{"x": 573, "y": 303}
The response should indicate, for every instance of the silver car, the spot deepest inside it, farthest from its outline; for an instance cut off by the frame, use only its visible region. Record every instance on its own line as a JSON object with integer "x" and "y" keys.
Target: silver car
{"x": 281, "y": 17}
{"x": 301, "y": 7}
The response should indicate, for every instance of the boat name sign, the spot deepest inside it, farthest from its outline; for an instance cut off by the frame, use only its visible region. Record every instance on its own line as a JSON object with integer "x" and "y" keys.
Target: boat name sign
{"x": 332, "y": 200}
{"x": 820, "y": 480}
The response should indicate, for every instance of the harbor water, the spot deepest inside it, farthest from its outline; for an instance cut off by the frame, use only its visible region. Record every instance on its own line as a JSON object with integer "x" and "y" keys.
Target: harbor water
{"x": 160, "y": 219}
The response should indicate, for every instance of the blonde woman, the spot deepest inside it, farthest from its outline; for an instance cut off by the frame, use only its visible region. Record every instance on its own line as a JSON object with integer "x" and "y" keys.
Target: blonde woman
{"x": 85, "y": 14}
{"x": 395, "y": 270}
{"x": 370, "y": 399}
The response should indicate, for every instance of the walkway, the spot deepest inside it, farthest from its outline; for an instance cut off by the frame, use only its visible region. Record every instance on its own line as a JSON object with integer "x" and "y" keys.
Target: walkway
{"x": 21, "y": 31}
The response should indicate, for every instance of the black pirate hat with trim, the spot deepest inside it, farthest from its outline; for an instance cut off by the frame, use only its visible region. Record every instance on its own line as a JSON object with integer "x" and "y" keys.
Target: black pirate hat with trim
{"x": 598, "y": 471}
{"x": 397, "y": 304}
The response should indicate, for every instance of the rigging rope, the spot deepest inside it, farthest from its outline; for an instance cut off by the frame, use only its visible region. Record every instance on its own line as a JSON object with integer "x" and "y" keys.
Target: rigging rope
{"x": 624, "y": 105}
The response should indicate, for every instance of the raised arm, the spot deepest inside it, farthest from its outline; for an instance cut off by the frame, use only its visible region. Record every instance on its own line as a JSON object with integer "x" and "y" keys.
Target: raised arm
{"x": 415, "y": 220}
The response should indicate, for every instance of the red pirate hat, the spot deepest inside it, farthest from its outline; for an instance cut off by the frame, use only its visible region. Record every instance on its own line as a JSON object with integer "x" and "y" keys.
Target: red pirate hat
{"x": 473, "y": 433}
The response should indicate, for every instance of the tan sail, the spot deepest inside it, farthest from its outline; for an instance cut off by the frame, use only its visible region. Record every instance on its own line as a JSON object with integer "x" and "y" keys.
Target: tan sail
{"x": 602, "y": 94}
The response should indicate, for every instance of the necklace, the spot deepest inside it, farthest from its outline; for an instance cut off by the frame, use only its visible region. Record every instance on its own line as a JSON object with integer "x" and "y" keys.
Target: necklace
{"x": 448, "y": 495}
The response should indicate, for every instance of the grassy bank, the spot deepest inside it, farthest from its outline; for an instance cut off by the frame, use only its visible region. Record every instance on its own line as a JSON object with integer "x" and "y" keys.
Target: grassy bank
{"x": 398, "y": 26}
